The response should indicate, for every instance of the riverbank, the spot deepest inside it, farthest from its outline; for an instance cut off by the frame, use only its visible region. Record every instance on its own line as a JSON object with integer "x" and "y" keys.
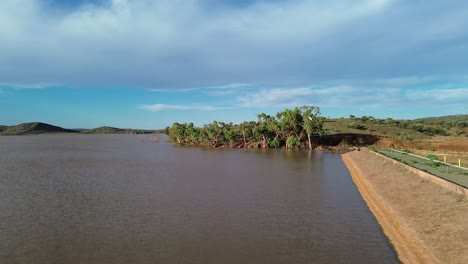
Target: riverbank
{"x": 425, "y": 222}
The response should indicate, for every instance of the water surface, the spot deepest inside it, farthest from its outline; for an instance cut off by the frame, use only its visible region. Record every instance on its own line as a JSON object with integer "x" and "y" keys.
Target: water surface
{"x": 124, "y": 199}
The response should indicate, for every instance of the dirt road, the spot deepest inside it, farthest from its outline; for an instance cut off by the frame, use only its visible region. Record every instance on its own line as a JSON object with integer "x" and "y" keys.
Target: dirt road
{"x": 425, "y": 222}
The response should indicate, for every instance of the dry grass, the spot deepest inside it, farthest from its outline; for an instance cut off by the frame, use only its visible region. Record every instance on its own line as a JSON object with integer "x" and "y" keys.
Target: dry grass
{"x": 452, "y": 147}
{"x": 340, "y": 125}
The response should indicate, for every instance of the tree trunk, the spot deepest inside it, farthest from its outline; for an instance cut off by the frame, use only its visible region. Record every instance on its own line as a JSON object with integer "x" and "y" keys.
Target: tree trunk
{"x": 243, "y": 135}
{"x": 310, "y": 143}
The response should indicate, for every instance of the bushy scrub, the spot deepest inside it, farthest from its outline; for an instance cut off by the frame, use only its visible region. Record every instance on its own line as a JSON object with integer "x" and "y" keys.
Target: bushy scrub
{"x": 275, "y": 143}
{"x": 356, "y": 125}
{"x": 292, "y": 142}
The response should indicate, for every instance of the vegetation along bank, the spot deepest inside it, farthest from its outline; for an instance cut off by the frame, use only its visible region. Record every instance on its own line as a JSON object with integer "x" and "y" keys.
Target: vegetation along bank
{"x": 304, "y": 127}
{"x": 291, "y": 128}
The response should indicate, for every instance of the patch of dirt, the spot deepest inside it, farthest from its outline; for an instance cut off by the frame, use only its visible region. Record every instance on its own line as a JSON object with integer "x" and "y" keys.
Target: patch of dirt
{"x": 391, "y": 143}
{"x": 425, "y": 222}
{"x": 457, "y": 144}
{"x": 348, "y": 139}
{"x": 453, "y": 148}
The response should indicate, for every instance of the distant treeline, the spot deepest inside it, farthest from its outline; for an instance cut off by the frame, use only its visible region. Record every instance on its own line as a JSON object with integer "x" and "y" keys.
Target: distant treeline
{"x": 429, "y": 126}
{"x": 291, "y": 128}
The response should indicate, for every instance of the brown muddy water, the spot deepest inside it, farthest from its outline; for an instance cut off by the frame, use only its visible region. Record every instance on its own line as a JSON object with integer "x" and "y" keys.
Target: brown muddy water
{"x": 124, "y": 199}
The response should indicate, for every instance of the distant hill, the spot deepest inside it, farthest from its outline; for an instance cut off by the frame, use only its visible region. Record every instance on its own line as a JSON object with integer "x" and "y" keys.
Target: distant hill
{"x": 105, "y": 130}
{"x": 444, "y": 118}
{"x": 33, "y": 128}
{"x": 454, "y": 125}
{"x": 114, "y": 130}
{"x": 43, "y": 128}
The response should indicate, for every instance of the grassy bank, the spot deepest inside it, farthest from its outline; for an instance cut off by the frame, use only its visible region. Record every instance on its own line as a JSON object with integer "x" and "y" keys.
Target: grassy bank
{"x": 430, "y": 165}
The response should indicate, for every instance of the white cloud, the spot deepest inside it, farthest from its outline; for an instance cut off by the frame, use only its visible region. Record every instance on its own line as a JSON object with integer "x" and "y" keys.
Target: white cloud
{"x": 162, "y": 107}
{"x": 274, "y": 97}
{"x": 167, "y": 42}
{"x": 172, "y": 90}
{"x": 180, "y": 44}
{"x": 349, "y": 96}
{"x": 20, "y": 86}
{"x": 223, "y": 92}
{"x": 453, "y": 95}
{"x": 231, "y": 86}
{"x": 210, "y": 88}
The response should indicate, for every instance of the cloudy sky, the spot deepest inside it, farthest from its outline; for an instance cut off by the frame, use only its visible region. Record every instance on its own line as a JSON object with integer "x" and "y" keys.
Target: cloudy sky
{"x": 149, "y": 63}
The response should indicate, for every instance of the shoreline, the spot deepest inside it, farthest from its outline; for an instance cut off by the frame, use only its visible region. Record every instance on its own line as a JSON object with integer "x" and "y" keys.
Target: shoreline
{"x": 423, "y": 221}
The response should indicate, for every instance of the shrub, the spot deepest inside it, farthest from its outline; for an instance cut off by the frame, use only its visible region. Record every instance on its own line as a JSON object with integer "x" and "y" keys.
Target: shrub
{"x": 292, "y": 142}
{"x": 433, "y": 164}
{"x": 356, "y": 126}
{"x": 275, "y": 143}
{"x": 462, "y": 123}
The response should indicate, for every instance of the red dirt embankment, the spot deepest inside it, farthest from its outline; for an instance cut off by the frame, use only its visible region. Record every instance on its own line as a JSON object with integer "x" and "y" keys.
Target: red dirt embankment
{"x": 425, "y": 222}
{"x": 453, "y": 148}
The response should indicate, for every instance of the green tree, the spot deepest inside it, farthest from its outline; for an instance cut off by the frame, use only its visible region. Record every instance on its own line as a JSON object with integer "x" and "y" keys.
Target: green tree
{"x": 261, "y": 130}
{"x": 177, "y": 132}
{"x": 292, "y": 142}
{"x": 290, "y": 122}
{"x": 313, "y": 123}
{"x": 229, "y": 134}
{"x": 275, "y": 142}
{"x": 245, "y": 130}
{"x": 271, "y": 131}
{"x": 214, "y": 133}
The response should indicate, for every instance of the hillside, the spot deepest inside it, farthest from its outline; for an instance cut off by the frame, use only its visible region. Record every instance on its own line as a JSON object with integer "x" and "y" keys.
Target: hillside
{"x": 444, "y": 119}
{"x": 445, "y": 137}
{"x": 105, "y": 130}
{"x": 405, "y": 130}
{"x": 114, "y": 130}
{"x": 43, "y": 128}
{"x": 33, "y": 128}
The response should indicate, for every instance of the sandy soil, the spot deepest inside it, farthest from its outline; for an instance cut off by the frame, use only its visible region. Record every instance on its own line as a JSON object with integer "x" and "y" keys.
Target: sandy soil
{"x": 425, "y": 222}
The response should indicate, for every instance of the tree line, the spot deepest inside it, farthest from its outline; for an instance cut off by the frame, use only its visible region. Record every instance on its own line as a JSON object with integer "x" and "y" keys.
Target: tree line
{"x": 291, "y": 128}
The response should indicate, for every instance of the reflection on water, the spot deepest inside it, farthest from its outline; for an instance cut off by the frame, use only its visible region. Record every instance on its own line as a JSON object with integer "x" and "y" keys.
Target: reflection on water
{"x": 124, "y": 199}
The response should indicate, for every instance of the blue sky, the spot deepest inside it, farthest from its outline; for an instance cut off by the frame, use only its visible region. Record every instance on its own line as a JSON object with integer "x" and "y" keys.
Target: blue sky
{"x": 149, "y": 63}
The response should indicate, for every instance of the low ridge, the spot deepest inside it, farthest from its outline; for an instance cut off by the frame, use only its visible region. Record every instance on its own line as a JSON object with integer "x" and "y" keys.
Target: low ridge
{"x": 106, "y": 130}
{"x": 33, "y": 128}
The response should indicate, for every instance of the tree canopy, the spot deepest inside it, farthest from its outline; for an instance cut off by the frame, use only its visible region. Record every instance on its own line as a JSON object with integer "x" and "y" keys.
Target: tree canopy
{"x": 291, "y": 128}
